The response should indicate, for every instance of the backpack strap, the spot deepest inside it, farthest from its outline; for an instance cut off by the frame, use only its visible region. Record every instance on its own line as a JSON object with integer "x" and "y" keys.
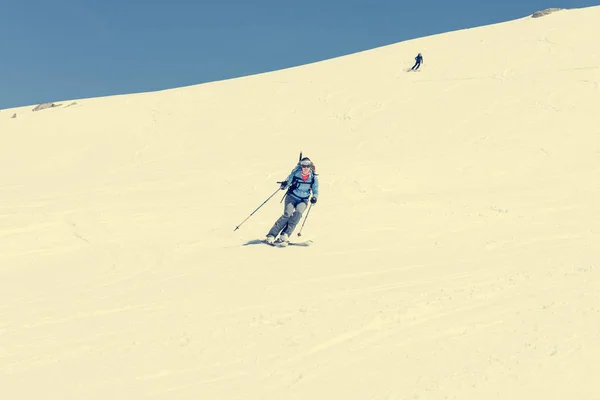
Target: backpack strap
{"x": 296, "y": 181}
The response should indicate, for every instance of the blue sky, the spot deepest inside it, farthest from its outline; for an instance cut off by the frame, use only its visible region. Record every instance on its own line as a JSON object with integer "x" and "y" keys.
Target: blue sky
{"x": 53, "y": 50}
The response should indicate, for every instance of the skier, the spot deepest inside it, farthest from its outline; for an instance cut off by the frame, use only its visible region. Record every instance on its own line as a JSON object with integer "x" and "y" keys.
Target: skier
{"x": 419, "y": 60}
{"x": 302, "y": 185}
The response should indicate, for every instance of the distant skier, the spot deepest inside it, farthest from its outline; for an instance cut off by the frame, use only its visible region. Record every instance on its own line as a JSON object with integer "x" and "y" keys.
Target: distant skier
{"x": 419, "y": 60}
{"x": 302, "y": 185}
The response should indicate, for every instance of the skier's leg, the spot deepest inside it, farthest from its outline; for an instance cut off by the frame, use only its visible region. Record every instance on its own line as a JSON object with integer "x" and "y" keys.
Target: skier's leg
{"x": 295, "y": 218}
{"x": 288, "y": 210}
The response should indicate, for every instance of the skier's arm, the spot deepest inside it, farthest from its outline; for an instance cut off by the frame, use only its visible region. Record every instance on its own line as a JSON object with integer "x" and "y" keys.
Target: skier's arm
{"x": 289, "y": 179}
{"x": 315, "y": 186}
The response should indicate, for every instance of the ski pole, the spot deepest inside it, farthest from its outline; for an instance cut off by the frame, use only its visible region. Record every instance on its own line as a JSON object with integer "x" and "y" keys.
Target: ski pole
{"x": 274, "y": 193}
{"x": 309, "y": 207}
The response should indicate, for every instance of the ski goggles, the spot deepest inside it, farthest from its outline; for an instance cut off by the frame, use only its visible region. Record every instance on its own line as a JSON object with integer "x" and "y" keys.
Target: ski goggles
{"x": 305, "y": 165}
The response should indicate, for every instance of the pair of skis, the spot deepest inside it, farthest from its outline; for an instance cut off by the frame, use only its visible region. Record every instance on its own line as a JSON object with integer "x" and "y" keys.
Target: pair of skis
{"x": 286, "y": 244}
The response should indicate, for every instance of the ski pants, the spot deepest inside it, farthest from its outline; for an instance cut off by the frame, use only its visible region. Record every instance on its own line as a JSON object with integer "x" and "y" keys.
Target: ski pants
{"x": 416, "y": 66}
{"x": 292, "y": 212}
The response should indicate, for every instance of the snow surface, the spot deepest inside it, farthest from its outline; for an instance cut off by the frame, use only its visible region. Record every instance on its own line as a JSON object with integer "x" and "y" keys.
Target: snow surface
{"x": 456, "y": 239}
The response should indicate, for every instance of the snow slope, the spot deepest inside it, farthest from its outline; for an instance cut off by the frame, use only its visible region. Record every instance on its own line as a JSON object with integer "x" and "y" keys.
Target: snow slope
{"x": 456, "y": 236}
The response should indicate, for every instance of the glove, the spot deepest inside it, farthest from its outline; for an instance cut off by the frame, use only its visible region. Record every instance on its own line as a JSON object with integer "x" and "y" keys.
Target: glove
{"x": 313, "y": 200}
{"x": 283, "y": 185}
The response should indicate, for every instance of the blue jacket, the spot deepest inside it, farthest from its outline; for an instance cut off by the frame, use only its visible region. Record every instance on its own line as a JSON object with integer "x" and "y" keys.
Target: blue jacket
{"x": 300, "y": 189}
